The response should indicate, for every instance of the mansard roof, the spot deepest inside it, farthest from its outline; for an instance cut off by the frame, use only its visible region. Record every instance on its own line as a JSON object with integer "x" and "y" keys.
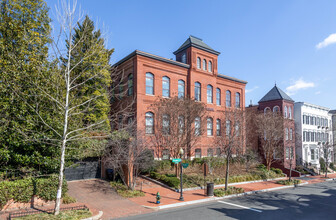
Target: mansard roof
{"x": 193, "y": 41}
{"x": 276, "y": 94}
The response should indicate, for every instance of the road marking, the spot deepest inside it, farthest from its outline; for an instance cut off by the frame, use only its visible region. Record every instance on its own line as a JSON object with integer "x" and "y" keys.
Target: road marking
{"x": 240, "y": 206}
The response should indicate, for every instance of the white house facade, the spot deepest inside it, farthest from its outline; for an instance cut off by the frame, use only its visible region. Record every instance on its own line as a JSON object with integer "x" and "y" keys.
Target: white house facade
{"x": 313, "y": 125}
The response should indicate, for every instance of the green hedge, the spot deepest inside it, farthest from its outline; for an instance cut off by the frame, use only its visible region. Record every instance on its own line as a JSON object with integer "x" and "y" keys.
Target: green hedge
{"x": 231, "y": 190}
{"x": 171, "y": 181}
{"x": 23, "y": 190}
{"x": 287, "y": 182}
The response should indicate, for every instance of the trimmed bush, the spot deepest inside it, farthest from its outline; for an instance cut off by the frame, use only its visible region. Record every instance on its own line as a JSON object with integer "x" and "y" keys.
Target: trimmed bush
{"x": 287, "y": 182}
{"x": 276, "y": 170}
{"x": 261, "y": 167}
{"x": 123, "y": 190}
{"x": 231, "y": 190}
{"x": 332, "y": 166}
{"x": 24, "y": 189}
{"x": 322, "y": 164}
{"x": 67, "y": 199}
{"x": 170, "y": 180}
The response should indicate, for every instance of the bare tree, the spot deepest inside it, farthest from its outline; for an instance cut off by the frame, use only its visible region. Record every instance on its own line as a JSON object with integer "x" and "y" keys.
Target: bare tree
{"x": 232, "y": 140}
{"x": 128, "y": 154}
{"x": 270, "y": 130}
{"x": 177, "y": 125}
{"x": 326, "y": 150}
{"x": 74, "y": 91}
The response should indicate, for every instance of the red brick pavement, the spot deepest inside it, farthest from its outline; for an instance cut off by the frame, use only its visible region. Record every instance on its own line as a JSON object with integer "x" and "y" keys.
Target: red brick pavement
{"x": 99, "y": 195}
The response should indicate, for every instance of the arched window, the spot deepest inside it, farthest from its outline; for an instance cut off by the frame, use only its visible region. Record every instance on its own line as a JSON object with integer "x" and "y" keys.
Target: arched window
{"x": 237, "y": 100}
{"x": 149, "y": 84}
{"x": 181, "y": 88}
{"x": 290, "y": 134}
{"x": 285, "y": 111}
{"x": 290, "y": 113}
{"x": 198, "y": 63}
{"x": 228, "y": 98}
{"x": 149, "y": 123}
{"x": 197, "y": 91}
{"x": 218, "y": 96}
{"x": 209, "y": 93}
{"x": 165, "y": 86}
{"x": 228, "y": 127}
{"x": 276, "y": 109}
{"x": 165, "y": 124}
{"x": 286, "y": 134}
{"x": 218, "y": 127}
{"x": 210, "y": 66}
{"x": 267, "y": 110}
{"x": 184, "y": 58}
{"x": 197, "y": 126}
{"x": 209, "y": 127}
{"x": 181, "y": 124}
{"x": 130, "y": 85}
{"x": 204, "y": 64}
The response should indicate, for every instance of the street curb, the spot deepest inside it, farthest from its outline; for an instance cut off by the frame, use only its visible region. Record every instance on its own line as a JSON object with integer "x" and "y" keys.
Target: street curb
{"x": 224, "y": 197}
{"x": 96, "y": 217}
{"x": 232, "y": 184}
{"x": 201, "y": 187}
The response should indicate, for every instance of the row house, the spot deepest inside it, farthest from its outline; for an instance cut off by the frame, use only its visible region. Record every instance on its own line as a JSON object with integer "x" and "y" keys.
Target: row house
{"x": 279, "y": 102}
{"x": 314, "y": 129}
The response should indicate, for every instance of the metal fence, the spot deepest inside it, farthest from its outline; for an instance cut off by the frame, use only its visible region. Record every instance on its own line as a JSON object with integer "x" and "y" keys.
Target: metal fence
{"x": 49, "y": 211}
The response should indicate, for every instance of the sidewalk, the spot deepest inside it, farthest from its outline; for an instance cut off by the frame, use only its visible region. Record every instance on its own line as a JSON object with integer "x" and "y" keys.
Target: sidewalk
{"x": 169, "y": 197}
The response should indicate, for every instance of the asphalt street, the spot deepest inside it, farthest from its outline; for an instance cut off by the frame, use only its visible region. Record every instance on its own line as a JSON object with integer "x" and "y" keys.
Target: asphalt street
{"x": 315, "y": 201}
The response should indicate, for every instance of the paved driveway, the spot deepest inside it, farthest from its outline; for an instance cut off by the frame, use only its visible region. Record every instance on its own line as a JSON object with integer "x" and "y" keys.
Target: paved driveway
{"x": 99, "y": 195}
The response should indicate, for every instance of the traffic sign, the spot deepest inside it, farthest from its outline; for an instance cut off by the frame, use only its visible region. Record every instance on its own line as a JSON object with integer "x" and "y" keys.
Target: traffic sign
{"x": 176, "y": 160}
{"x": 185, "y": 165}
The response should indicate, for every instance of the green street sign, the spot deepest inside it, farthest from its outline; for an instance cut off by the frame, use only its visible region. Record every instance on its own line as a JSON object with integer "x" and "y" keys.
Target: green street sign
{"x": 185, "y": 165}
{"x": 176, "y": 160}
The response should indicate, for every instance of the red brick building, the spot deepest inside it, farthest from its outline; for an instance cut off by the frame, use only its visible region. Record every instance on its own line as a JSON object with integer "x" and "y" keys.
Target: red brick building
{"x": 193, "y": 74}
{"x": 277, "y": 100}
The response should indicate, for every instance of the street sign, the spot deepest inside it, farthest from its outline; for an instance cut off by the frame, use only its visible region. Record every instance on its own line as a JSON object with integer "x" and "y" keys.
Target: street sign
{"x": 185, "y": 165}
{"x": 176, "y": 160}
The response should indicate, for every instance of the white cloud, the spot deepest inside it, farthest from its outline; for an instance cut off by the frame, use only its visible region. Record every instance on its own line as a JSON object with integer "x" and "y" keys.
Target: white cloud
{"x": 331, "y": 39}
{"x": 298, "y": 85}
{"x": 251, "y": 90}
{"x": 318, "y": 92}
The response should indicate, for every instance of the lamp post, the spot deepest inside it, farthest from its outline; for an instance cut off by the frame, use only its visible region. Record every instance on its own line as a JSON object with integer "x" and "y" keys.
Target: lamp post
{"x": 181, "y": 192}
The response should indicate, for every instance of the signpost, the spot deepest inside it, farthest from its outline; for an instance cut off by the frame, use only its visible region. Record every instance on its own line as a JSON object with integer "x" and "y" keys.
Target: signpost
{"x": 176, "y": 160}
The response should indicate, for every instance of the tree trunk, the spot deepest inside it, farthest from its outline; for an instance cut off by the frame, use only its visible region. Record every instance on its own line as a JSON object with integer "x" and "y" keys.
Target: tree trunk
{"x": 227, "y": 173}
{"x": 290, "y": 170}
{"x": 64, "y": 138}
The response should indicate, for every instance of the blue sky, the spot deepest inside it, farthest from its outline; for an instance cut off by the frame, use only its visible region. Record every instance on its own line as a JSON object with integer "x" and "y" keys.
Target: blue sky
{"x": 289, "y": 42}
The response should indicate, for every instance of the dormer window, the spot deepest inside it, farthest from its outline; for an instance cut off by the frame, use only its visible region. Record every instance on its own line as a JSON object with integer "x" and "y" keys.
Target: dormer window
{"x": 184, "y": 58}
{"x": 204, "y": 64}
{"x": 198, "y": 63}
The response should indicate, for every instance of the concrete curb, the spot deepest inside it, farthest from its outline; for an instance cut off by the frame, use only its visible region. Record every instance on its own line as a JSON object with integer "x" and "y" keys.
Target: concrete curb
{"x": 96, "y": 217}
{"x": 232, "y": 184}
{"x": 201, "y": 187}
{"x": 224, "y": 197}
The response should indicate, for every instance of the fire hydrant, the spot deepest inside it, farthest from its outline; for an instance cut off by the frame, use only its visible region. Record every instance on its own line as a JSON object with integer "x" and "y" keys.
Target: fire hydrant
{"x": 158, "y": 197}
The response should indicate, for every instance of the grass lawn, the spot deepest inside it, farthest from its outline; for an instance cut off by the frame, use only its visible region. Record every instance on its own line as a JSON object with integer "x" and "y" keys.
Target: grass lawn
{"x": 73, "y": 215}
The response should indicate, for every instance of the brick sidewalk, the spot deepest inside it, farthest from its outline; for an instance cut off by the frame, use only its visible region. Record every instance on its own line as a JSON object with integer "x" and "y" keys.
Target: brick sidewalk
{"x": 170, "y": 197}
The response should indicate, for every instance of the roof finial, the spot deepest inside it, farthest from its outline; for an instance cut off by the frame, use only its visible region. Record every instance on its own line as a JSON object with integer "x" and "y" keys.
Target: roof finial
{"x": 275, "y": 83}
